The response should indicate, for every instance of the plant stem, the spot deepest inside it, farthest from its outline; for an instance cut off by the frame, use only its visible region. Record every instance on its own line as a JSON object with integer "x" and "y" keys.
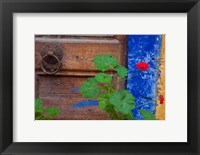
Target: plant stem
{"x": 133, "y": 75}
{"x": 39, "y": 117}
{"x": 128, "y": 77}
{"x": 141, "y": 105}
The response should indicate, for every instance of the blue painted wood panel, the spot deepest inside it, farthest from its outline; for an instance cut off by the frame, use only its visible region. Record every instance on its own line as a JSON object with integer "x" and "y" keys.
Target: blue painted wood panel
{"x": 143, "y": 86}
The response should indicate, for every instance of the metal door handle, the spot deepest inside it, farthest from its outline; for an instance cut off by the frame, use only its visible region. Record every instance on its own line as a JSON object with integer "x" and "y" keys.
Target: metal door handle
{"x": 51, "y": 58}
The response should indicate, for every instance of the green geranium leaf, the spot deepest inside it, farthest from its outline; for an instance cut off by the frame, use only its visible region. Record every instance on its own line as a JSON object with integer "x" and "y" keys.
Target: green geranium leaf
{"x": 121, "y": 71}
{"x": 103, "y": 101}
{"x": 104, "y": 62}
{"x": 89, "y": 88}
{"x": 147, "y": 115}
{"x": 52, "y": 111}
{"x": 47, "y": 118}
{"x": 38, "y": 115}
{"x": 123, "y": 101}
{"x": 129, "y": 116}
{"x": 104, "y": 78}
{"x": 38, "y": 105}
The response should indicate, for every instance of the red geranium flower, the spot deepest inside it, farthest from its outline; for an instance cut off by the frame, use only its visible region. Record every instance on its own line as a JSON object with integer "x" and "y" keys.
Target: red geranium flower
{"x": 162, "y": 99}
{"x": 142, "y": 66}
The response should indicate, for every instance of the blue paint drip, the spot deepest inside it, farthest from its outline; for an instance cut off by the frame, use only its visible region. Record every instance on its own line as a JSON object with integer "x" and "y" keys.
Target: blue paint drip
{"x": 86, "y": 103}
{"x": 143, "y": 86}
{"x": 75, "y": 90}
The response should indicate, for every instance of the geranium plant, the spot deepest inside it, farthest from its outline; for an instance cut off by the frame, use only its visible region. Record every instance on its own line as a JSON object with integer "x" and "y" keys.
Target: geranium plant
{"x": 117, "y": 103}
{"x": 44, "y": 114}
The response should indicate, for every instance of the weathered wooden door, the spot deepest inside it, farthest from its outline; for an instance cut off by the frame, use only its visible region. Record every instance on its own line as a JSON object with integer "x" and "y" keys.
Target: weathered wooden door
{"x": 63, "y": 62}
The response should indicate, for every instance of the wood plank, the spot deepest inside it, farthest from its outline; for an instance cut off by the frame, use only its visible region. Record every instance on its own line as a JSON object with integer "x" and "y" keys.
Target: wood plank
{"x": 56, "y": 85}
{"x": 57, "y": 92}
{"x": 76, "y": 40}
{"x": 80, "y": 56}
{"x": 70, "y": 113}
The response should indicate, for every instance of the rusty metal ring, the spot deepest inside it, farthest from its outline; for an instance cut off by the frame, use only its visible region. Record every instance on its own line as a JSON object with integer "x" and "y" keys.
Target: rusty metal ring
{"x": 50, "y": 64}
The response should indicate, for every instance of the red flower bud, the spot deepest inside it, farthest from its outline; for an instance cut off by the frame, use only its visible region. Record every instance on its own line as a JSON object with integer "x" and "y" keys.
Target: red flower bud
{"x": 161, "y": 98}
{"x": 142, "y": 66}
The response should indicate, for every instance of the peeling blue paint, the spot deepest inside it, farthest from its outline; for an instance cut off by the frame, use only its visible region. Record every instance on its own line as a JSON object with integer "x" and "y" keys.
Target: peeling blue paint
{"x": 85, "y": 103}
{"x": 75, "y": 90}
{"x": 143, "y": 86}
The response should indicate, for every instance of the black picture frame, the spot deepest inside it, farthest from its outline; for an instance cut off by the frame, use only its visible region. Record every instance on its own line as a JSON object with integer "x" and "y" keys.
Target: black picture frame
{"x": 8, "y": 7}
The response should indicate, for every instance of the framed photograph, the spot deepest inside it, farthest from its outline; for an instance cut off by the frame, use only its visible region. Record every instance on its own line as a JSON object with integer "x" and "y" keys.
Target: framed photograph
{"x": 106, "y": 77}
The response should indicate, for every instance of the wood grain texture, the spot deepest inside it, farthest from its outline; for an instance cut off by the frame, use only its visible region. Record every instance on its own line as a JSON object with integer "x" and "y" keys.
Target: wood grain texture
{"x": 79, "y": 55}
{"x": 77, "y": 66}
{"x": 56, "y": 91}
